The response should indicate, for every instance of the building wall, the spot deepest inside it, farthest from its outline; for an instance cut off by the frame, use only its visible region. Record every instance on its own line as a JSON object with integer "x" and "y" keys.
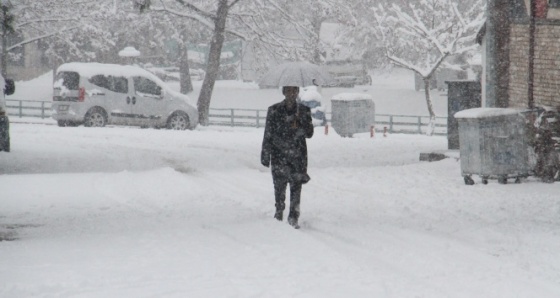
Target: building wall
{"x": 519, "y": 66}
{"x": 546, "y": 67}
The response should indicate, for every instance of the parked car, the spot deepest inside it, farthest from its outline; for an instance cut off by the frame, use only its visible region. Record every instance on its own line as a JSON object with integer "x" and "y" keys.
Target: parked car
{"x": 95, "y": 94}
{"x": 310, "y": 97}
{"x": 348, "y": 73}
{"x": 9, "y": 89}
{"x": 197, "y": 74}
{"x": 346, "y": 81}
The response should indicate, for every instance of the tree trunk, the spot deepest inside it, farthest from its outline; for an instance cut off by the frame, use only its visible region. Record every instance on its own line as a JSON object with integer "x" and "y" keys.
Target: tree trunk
{"x": 316, "y": 40}
{"x": 4, "y": 62}
{"x": 4, "y": 58}
{"x": 213, "y": 62}
{"x": 432, "y": 124}
{"x": 184, "y": 71}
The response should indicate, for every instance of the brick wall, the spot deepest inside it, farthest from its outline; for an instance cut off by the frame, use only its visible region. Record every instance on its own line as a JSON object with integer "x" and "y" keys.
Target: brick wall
{"x": 547, "y": 65}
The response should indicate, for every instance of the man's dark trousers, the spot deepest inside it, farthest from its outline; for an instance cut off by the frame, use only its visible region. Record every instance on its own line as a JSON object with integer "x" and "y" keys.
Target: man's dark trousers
{"x": 281, "y": 176}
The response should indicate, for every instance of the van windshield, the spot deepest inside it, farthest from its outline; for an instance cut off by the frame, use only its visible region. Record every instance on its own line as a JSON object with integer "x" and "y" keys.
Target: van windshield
{"x": 68, "y": 79}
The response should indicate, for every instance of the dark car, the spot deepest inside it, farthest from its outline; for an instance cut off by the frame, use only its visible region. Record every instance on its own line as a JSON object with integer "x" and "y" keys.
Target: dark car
{"x": 9, "y": 89}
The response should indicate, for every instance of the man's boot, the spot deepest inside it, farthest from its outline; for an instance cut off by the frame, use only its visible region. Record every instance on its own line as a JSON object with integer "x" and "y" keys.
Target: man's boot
{"x": 293, "y": 221}
{"x": 279, "y": 214}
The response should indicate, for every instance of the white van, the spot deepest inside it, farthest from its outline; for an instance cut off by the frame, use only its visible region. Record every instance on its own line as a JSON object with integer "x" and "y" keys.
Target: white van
{"x": 96, "y": 94}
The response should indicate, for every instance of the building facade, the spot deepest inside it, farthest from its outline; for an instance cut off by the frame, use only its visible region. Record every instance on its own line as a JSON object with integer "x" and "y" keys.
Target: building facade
{"x": 546, "y": 69}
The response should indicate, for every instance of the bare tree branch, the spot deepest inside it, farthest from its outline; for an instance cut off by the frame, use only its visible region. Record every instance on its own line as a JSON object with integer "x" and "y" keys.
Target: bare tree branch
{"x": 233, "y": 3}
{"x": 197, "y": 10}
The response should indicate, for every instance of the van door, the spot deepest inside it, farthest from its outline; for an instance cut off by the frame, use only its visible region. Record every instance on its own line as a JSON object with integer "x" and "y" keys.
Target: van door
{"x": 150, "y": 106}
{"x": 116, "y": 98}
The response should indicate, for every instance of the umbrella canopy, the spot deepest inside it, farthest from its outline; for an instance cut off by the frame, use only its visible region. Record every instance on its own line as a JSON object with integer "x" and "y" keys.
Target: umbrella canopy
{"x": 299, "y": 74}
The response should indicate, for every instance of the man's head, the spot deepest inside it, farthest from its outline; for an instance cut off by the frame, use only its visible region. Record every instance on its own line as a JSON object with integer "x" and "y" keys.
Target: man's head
{"x": 290, "y": 92}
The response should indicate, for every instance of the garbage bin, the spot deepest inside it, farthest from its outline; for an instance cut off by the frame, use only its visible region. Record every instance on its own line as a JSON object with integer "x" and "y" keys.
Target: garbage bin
{"x": 492, "y": 144}
{"x": 352, "y": 113}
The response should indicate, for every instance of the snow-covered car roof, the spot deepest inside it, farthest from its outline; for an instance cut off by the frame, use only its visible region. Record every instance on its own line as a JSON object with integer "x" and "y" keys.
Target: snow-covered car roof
{"x": 92, "y": 69}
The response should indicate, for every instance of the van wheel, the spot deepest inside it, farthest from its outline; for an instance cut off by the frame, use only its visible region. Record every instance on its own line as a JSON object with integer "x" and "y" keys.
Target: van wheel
{"x": 178, "y": 121}
{"x": 95, "y": 117}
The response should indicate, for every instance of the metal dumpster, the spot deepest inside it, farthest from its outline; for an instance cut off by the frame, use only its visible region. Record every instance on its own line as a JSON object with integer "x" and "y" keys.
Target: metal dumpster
{"x": 492, "y": 144}
{"x": 352, "y": 113}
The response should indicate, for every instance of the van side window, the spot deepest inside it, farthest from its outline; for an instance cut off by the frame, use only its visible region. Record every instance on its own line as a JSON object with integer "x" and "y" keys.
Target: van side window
{"x": 146, "y": 86}
{"x": 68, "y": 79}
{"x": 115, "y": 84}
{"x": 119, "y": 84}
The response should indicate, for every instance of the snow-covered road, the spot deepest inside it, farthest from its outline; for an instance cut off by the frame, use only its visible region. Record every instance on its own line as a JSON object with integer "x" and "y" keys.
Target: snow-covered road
{"x": 126, "y": 212}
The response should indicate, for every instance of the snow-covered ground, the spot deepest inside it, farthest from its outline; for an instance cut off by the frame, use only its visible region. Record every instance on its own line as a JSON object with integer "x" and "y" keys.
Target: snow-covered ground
{"x": 128, "y": 212}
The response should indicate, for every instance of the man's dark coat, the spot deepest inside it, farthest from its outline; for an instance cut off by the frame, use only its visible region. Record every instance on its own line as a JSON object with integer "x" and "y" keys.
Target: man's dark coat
{"x": 284, "y": 142}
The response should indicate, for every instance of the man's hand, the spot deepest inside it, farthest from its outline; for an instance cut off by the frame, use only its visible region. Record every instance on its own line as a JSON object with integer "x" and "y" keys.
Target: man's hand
{"x": 265, "y": 160}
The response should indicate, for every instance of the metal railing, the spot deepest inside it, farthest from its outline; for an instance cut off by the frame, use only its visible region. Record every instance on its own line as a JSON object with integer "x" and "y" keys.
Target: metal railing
{"x": 251, "y": 117}
{"x": 28, "y": 108}
{"x": 392, "y": 123}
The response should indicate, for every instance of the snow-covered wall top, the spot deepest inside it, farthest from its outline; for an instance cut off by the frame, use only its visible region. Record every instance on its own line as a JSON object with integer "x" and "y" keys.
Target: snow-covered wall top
{"x": 352, "y": 96}
{"x": 485, "y": 112}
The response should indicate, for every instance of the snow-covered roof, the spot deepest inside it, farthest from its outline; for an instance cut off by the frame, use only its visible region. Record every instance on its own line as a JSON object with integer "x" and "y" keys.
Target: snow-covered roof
{"x": 485, "y": 112}
{"x": 352, "y": 96}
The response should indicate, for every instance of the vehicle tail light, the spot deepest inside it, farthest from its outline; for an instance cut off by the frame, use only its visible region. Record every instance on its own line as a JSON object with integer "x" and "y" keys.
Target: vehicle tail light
{"x": 82, "y": 94}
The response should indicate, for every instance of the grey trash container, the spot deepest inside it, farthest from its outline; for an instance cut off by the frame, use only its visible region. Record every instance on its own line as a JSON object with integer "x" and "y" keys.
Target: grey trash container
{"x": 492, "y": 144}
{"x": 352, "y": 113}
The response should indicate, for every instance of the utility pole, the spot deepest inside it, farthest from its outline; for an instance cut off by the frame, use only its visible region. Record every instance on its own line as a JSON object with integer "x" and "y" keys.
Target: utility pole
{"x": 497, "y": 53}
{"x": 531, "y": 74}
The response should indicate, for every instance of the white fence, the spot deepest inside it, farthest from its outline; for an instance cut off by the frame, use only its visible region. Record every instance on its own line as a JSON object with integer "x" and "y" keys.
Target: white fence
{"x": 251, "y": 117}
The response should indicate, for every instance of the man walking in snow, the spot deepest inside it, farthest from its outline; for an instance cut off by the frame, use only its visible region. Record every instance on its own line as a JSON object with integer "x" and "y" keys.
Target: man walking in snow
{"x": 288, "y": 124}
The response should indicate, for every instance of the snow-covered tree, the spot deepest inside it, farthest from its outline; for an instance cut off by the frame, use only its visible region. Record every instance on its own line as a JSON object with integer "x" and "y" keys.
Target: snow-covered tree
{"x": 212, "y": 14}
{"x": 260, "y": 22}
{"x": 420, "y": 35}
{"x": 32, "y": 21}
{"x": 67, "y": 29}
{"x": 423, "y": 35}
{"x": 307, "y": 17}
